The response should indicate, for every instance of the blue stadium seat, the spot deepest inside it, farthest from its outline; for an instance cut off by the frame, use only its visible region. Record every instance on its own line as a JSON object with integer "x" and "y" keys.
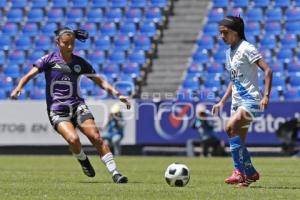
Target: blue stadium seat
{"x": 12, "y": 70}
{"x": 138, "y": 3}
{"x": 254, "y": 14}
{"x": 261, "y": 3}
{"x": 111, "y": 69}
{"x": 153, "y": 15}
{"x": 132, "y": 69}
{"x": 133, "y": 15}
{"x": 91, "y": 28}
{"x": 291, "y": 94}
{"x": 86, "y": 85}
{"x": 3, "y": 94}
{"x": 252, "y": 28}
{"x": 125, "y": 88}
{"x": 236, "y": 12}
{"x": 9, "y": 29}
{"x": 47, "y": 29}
{"x": 266, "y": 54}
{"x": 5, "y": 42}
{"x": 108, "y": 29}
{"x": 220, "y": 3}
{"x": 274, "y": 14}
{"x": 269, "y": 42}
{"x": 277, "y": 66}
{"x": 23, "y": 43}
{"x": 39, "y": 3}
{"x": 103, "y": 44}
{"x": 221, "y": 45}
{"x": 241, "y": 3}
{"x": 289, "y": 41}
{"x": 205, "y": 42}
{"x": 282, "y": 3}
{"x": 56, "y": 15}
{"x": 137, "y": 57}
{"x": 274, "y": 95}
{"x": 122, "y": 43}
{"x": 15, "y": 15}
{"x": 80, "y": 3}
{"x": 211, "y": 29}
{"x": 37, "y": 94}
{"x": 60, "y": 3}
{"x": 212, "y": 81}
{"x": 158, "y": 3}
{"x": 119, "y": 3}
{"x": 6, "y": 83}
{"x": 19, "y": 3}
{"x": 215, "y": 67}
{"x": 215, "y": 15}
{"x": 293, "y": 67}
{"x": 143, "y": 43}
{"x": 35, "y": 15}
{"x": 201, "y": 57}
{"x": 43, "y": 43}
{"x": 294, "y": 79}
{"x": 292, "y": 14}
{"x": 114, "y": 15}
{"x": 192, "y": 84}
{"x": 117, "y": 57}
{"x": 148, "y": 29}
{"x": 99, "y": 93}
{"x": 278, "y": 80}
{"x": 2, "y": 58}
{"x": 128, "y": 29}
{"x": 40, "y": 82}
{"x": 285, "y": 55}
{"x": 16, "y": 57}
{"x": 74, "y": 15}
{"x": 30, "y": 29}
{"x": 25, "y": 69}
{"x": 251, "y": 39}
{"x": 292, "y": 27}
{"x": 273, "y": 28}
{"x": 95, "y": 15}
{"x": 297, "y": 2}
{"x": 194, "y": 68}
{"x": 96, "y": 57}
{"x": 83, "y": 45}
{"x": 99, "y": 4}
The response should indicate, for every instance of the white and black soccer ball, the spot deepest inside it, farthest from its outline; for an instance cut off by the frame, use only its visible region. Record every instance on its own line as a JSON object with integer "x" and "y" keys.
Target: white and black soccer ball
{"x": 177, "y": 175}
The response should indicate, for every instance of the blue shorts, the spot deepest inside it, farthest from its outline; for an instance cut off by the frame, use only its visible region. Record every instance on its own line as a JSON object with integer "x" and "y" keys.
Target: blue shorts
{"x": 252, "y": 108}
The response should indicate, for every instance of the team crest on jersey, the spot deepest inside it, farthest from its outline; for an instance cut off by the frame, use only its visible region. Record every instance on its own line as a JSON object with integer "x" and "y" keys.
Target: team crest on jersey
{"x": 77, "y": 68}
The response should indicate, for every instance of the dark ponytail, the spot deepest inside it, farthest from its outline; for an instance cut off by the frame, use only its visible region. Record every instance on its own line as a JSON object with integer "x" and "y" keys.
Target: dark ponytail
{"x": 80, "y": 34}
{"x": 236, "y": 24}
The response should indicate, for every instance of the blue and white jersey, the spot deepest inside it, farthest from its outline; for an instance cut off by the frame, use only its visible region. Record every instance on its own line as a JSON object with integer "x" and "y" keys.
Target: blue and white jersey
{"x": 240, "y": 63}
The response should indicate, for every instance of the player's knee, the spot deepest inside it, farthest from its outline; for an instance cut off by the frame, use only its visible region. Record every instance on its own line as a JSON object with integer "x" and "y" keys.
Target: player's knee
{"x": 230, "y": 129}
{"x": 73, "y": 140}
{"x": 96, "y": 138}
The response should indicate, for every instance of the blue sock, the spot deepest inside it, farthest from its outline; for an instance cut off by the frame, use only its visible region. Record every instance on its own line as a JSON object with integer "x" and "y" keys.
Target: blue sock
{"x": 249, "y": 169}
{"x": 236, "y": 149}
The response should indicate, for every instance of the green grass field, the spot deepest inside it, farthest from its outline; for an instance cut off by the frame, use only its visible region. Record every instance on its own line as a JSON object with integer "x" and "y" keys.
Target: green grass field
{"x": 60, "y": 177}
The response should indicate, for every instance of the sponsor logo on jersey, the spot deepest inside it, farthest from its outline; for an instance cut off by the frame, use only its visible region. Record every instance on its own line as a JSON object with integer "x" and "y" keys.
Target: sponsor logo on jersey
{"x": 77, "y": 68}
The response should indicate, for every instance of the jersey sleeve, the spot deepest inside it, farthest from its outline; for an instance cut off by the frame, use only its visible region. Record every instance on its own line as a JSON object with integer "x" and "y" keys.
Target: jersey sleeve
{"x": 42, "y": 63}
{"x": 252, "y": 54}
{"x": 89, "y": 68}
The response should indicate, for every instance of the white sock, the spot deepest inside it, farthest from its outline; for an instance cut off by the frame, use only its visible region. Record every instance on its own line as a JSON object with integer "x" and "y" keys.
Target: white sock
{"x": 110, "y": 163}
{"x": 81, "y": 155}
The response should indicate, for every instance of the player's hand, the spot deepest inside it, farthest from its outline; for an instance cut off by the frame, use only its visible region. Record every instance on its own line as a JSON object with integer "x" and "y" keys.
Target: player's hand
{"x": 264, "y": 103}
{"x": 15, "y": 93}
{"x": 125, "y": 100}
{"x": 217, "y": 108}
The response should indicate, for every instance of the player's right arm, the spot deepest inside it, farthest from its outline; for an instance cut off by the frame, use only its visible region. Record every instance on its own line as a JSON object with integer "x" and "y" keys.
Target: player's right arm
{"x": 24, "y": 80}
{"x": 217, "y": 107}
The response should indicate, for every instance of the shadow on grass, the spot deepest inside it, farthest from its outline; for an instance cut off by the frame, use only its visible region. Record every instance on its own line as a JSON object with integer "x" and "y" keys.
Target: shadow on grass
{"x": 275, "y": 187}
{"x": 109, "y": 182}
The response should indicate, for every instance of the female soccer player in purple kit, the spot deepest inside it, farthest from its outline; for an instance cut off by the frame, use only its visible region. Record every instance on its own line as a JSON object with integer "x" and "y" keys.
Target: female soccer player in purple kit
{"x": 242, "y": 62}
{"x": 66, "y": 109}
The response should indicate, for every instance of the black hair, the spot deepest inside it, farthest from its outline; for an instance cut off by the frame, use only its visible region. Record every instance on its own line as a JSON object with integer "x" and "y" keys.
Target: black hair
{"x": 80, "y": 34}
{"x": 236, "y": 24}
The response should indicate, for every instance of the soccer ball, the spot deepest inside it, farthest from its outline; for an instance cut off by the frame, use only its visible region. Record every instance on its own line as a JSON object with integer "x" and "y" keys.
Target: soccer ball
{"x": 177, "y": 175}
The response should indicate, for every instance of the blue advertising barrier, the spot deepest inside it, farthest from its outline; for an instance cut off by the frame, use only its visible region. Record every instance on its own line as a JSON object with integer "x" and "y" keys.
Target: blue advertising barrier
{"x": 169, "y": 123}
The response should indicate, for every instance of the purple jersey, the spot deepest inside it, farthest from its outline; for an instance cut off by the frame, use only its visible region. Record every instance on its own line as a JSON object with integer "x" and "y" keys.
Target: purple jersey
{"x": 62, "y": 79}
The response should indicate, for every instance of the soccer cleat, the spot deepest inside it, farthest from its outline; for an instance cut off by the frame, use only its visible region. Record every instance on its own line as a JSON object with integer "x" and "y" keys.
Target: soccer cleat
{"x": 87, "y": 168}
{"x": 235, "y": 178}
{"x": 249, "y": 180}
{"x": 118, "y": 178}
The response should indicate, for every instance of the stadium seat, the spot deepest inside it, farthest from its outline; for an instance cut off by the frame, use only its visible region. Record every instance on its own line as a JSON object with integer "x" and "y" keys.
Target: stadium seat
{"x": 153, "y": 15}
{"x": 37, "y": 94}
{"x": 215, "y": 67}
{"x": 132, "y": 69}
{"x": 252, "y": 28}
{"x": 236, "y": 12}
{"x": 205, "y": 42}
{"x": 201, "y": 57}
{"x": 19, "y": 3}
{"x": 269, "y": 42}
{"x": 128, "y": 29}
{"x": 137, "y": 57}
{"x": 195, "y": 68}
{"x": 35, "y": 15}
{"x": 30, "y": 29}
{"x": 23, "y": 43}
{"x": 56, "y": 15}
{"x": 282, "y": 3}
{"x": 91, "y": 28}
{"x": 95, "y": 15}
{"x": 294, "y": 79}
{"x": 148, "y": 29}
{"x": 133, "y": 15}
{"x": 2, "y": 58}
{"x": 142, "y": 43}
{"x": 138, "y": 4}
{"x": 9, "y": 29}
{"x": 274, "y": 14}
{"x": 43, "y": 43}
{"x": 192, "y": 84}
{"x": 60, "y": 3}
{"x": 122, "y": 43}
{"x": 291, "y": 94}
{"x": 83, "y": 45}
{"x": 111, "y": 69}
{"x": 278, "y": 80}
{"x": 277, "y": 66}
{"x": 39, "y": 3}
{"x": 261, "y": 3}
{"x": 47, "y": 29}
{"x": 99, "y": 4}
{"x": 86, "y": 84}
{"x": 255, "y": 14}
{"x": 285, "y": 55}
{"x": 114, "y": 15}
{"x": 80, "y": 3}
{"x": 16, "y": 57}
{"x": 103, "y": 44}
{"x": 125, "y": 88}
{"x": 293, "y": 67}
{"x": 99, "y": 93}
{"x": 211, "y": 29}
{"x": 274, "y": 95}
{"x": 6, "y": 83}
{"x": 266, "y": 54}
{"x": 117, "y": 57}
{"x": 25, "y": 69}
{"x": 158, "y": 3}
{"x": 292, "y": 27}
{"x": 289, "y": 41}
{"x": 119, "y": 3}
{"x": 5, "y": 42}
{"x": 297, "y": 2}
{"x": 40, "y": 82}
{"x": 240, "y": 3}
{"x": 15, "y": 15}
{"x": 220, "y": 3}
{"x": 108, "y": 29}
{"x": 215, "y": 15}
{"x": 292, "y": 14}
{"x": 273, "y": 28}
{"x": 221, "y": 45}
{"x": 97, "y": 57}
{"x": 12, "y": 70}
{"x": 74, "y": 15}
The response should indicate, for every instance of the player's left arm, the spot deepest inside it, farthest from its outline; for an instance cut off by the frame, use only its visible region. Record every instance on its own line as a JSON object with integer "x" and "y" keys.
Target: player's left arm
{"x": 111, "y": 90}
{"x": 268, "y": 82}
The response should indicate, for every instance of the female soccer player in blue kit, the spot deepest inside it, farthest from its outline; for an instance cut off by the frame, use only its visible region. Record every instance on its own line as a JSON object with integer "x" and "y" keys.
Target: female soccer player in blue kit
{"x": 66, "y": 109}
{"x": 242, "y": 59}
